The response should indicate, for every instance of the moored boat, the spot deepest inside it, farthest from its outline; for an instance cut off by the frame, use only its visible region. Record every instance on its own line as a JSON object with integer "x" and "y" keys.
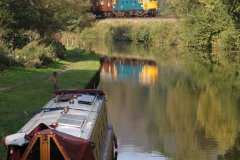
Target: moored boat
{"x": 74, "y": 125}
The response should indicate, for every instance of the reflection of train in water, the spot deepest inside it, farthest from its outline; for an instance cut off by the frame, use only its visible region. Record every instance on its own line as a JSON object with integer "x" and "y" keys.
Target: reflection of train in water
{"x": 144, "y": 72}
{"x": 149, "y": 74}
{"x": 125, "y": 8}
{"x": 73, "y": 125}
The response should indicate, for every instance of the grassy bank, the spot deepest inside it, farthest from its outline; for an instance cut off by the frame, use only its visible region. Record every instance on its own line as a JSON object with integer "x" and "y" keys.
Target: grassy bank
{"x": 155, "y": 31}
{"x": 163, "y": 32}
{"x": 23, "y": 92}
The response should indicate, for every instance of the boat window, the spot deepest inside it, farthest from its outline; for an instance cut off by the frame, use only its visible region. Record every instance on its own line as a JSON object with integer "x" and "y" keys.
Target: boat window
{"x": 35, "y": 151}
{"x": 65, "y": 97}
{"x": 71, "y": 120}
{"x": 55, "y": 153}
{"x": 86, "y": 99}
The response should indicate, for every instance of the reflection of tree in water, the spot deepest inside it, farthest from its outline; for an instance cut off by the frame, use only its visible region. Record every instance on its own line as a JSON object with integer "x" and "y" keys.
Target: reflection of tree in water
{"x": 218, "y": 115}
{"x": 190, "y": 123}
{"x": 191, "y": 112}
{"x": 234, "y": 152}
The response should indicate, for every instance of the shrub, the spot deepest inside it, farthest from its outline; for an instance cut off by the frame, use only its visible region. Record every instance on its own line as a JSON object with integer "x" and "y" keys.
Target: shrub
{"x": 122, "y": 33}
{"x": 14, "y": 39}
{"x": 88, "y": 33}
{"x": 228, "y": 40}
{"x": 35, "y": 55}
{"x": 58, "y": 49}
{"x": 164, "y": 34}
{"x": 106, "y": 33}
{"x": 197, "y": 32}
{"x": 140, "y": 34}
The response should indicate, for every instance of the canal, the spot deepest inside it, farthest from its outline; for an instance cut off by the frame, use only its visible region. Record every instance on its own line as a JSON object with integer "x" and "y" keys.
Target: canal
{"x": 186, "y": 106}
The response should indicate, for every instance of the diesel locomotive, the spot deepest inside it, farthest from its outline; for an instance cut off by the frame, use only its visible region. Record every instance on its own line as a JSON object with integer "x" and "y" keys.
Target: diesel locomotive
{"x": 125, "y": 8}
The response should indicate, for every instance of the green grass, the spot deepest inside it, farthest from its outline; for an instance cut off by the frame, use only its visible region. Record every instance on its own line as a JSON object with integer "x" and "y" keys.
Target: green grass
{"x": 27, "y": 90}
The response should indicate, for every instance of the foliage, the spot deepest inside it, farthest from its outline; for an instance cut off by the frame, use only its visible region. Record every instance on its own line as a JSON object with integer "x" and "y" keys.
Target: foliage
{"x": 183, "y": 7}
{"x": 210, "y": 23}
{"x": 36, "y": 54}
{"x": 164, "y": 34}
{"x": 42, "y": 15}
{"x": 32, "y": 54}
{"x": 165, "y": 8}
{"x": 229, "y": 39}
{"x": 16, "y": 14}
{"x": 82, "y": 21}
{"x": 123, "y": 32}
{"x": 57, "y": 47}
{"x": 20, "y": 18}
{"x": 14, "y": 39}
{"x": 140, "y": 34}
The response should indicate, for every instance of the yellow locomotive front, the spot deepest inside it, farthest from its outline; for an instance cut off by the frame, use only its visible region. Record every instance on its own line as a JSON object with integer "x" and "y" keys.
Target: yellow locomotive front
{"x": 150, "y": 6}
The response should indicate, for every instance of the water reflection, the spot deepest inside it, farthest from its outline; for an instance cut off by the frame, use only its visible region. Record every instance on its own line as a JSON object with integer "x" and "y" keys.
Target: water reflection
{"x": 185, "y": 108}
{"x": 118, "y": 69}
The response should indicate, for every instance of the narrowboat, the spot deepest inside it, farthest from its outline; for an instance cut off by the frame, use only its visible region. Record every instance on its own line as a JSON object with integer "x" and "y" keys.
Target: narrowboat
{"x": 74, "y": 125}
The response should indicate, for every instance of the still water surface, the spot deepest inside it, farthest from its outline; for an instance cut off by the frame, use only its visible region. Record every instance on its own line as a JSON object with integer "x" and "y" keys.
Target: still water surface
{"x": 185, "y": 107}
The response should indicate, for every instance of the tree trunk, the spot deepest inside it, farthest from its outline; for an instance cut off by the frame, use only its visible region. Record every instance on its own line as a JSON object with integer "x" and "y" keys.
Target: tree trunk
{"x": 42, "y": 34}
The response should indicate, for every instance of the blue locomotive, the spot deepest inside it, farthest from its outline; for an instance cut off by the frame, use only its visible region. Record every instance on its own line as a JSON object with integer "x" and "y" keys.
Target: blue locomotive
{"x": 125, "y": 8}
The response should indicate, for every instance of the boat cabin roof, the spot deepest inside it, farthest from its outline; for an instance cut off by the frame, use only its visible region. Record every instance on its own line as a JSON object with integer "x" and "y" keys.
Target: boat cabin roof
{"x": 70, "y": 112}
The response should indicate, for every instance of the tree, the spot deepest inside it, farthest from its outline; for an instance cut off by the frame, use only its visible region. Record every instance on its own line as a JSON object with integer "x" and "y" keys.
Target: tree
{"x": 58, "y": 15}
{"x": 45, "y": 16}
{"x": 16, "y": 14}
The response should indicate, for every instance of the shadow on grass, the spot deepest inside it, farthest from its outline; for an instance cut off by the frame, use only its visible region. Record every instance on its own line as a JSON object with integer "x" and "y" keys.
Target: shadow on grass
{"x": 55, "y": 65}
{"x": 75, "y": 55}
{"x": 76, "y": 79}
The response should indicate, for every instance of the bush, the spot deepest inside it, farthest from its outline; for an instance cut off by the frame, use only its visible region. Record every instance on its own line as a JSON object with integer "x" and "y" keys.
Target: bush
{"x": 164, "y": 34}
{"x": 35, "y": 55}
{"x": 58, "y": 49}
{"x": 228, "y": 40}
{"x": 197, "y": 32}
{"x": 140, "y": 34}
{"x": 107, "y": 33}
{"x": 88, "y": 33}
{"x": 14, "y": 39}
{"x": 122, "y": 33}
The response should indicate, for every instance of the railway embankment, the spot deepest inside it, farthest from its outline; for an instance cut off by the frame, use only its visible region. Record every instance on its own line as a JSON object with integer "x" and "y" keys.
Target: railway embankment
{"x": 23, "y": 91}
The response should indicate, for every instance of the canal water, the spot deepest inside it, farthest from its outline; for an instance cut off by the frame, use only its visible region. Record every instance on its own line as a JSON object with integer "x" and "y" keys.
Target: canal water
{"x": 186, "y": 106}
